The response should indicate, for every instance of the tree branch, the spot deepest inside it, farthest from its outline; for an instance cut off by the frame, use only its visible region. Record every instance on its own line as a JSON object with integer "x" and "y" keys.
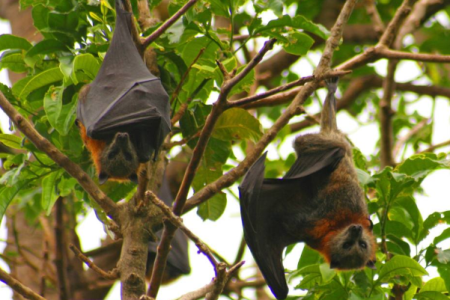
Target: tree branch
{"x": 60, "y": 251}
{"x": 169, "y": 22}
{"x": 113, "y": 274}
{"x": 17, "y": 286}
{"x": 229, "y": 178}
{"x": 389, "y": 35}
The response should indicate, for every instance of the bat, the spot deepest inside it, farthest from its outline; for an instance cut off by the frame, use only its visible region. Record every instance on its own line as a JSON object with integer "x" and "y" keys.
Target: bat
{"x": 319, "y": 201}
{"x": 178, "y": 260}
{"x": 124, "y": 114}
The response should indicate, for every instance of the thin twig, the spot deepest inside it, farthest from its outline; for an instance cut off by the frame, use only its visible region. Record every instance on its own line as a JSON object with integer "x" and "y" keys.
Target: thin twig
{"x": 407, "y": 136}
{"x": 19, "y": 287}
{"x": 375, "y": 16}
{"x": 185, "y": 75}
{"x": 72, "y": 168}
{"x": 389, "y": 35}
{"x": 113, "y": 274}
{"x": 434, "y": 147}
{"x": 169, "y": 22}
{"x": 175, "y": 220}
{"x": 283, "y": 97}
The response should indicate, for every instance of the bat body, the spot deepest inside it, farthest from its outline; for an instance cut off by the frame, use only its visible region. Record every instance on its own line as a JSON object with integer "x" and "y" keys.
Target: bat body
{"x": 124, "y": 114}
{"x": 319, "y": 201}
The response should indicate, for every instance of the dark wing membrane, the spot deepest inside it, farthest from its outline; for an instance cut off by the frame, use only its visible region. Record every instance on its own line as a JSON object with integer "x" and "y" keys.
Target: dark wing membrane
{"x": 308, "y": 163}
{"x": 178, "y": 259}
{"x": 125, "y": 96}
{"x": 263, "y": 233}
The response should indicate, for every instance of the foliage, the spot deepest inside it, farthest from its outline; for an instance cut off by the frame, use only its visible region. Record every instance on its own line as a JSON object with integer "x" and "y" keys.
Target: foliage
{"x": 76, "y": 36}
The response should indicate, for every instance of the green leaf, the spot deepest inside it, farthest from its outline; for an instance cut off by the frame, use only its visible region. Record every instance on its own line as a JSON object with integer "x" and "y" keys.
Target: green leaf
{"x": 327, "y": 273}
{"x": 363, "y": 177}
{"x": 442, "y": 237}
{"x": 9, "y": 41}
{"x": 49, "y": 190}
{"x": 308, "y": 257}
{"x": 24, "y": 87}
{"x": 13, "y": 62}
{"x": 7, "y": 194}
{"x": 298, "y": 22}
{"x": 436, "y": 284}
{"x": 299, "y": 43}
{"x": 47, "y": 47}
{"x": 400, "y": 265}
{"x": 87, "y": 64}
{"x": 60, "y": 116}
{"x": 213, "y": 208}
{"x": 237, "y": 123}
{"x": 11, "y": 140}
{"x": 420, "y": 165}
{"x": 431, "y": 295}
{"x": 53, "y": 105}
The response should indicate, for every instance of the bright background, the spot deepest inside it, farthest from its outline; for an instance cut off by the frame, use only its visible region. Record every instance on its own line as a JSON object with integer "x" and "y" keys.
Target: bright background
{"x": 225, "y": 235}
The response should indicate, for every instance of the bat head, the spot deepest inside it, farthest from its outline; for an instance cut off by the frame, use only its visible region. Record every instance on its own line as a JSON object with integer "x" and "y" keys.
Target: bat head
{"x": 119, "y": 159}
{"x": 352, "y": 248}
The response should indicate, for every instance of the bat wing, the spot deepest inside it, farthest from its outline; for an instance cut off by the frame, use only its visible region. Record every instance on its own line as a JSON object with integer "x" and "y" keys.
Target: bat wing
{"x": 125, "y": 96}
{"x": 264, "y": 204}
{"x": 178, "y": 259}
{"x": 309, "y": 162}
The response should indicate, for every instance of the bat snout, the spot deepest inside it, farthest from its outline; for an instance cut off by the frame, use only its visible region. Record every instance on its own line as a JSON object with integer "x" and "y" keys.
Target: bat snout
{"x": 355, "y": 230}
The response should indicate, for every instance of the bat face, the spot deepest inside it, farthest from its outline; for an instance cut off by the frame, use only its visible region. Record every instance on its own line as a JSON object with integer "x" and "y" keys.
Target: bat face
{"x": 352, "y": 248}
{"x": 119, "y": 159}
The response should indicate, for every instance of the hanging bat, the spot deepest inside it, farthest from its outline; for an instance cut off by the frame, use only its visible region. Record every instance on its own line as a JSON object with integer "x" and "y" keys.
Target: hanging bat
{"x": 178, "y": 259}
{"x": 319, "y": 201}
{"x": 123, "y": 114}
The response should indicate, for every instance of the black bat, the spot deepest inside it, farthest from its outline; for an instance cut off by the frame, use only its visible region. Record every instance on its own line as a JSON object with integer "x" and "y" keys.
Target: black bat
{"x": 178, "y": 259}
{"x": 319, "y": 201}
{"x": 125, "y": 112}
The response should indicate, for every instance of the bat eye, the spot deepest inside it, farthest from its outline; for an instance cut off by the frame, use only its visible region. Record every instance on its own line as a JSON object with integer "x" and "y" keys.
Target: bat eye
{"x": 347, "y": 245}
{"x": 363, "y": 244}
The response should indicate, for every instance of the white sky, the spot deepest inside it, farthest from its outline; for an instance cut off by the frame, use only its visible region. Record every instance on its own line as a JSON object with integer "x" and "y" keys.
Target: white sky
{"x": 224, "y": 235}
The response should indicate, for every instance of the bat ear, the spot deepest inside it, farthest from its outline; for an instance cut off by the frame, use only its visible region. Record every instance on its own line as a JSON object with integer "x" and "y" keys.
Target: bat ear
{"x": 133, "y": 178}
{"x": 102, "y": 177}
{"x": 334, "y": 264}
{"x": 371, "y": 264}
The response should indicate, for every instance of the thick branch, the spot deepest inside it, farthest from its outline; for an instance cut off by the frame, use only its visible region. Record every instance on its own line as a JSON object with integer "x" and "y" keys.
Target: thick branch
{"x": 73, "y": 169}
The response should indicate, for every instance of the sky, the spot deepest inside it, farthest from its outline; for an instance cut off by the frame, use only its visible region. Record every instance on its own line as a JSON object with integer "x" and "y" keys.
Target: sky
{"x": 225, "y": 234}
